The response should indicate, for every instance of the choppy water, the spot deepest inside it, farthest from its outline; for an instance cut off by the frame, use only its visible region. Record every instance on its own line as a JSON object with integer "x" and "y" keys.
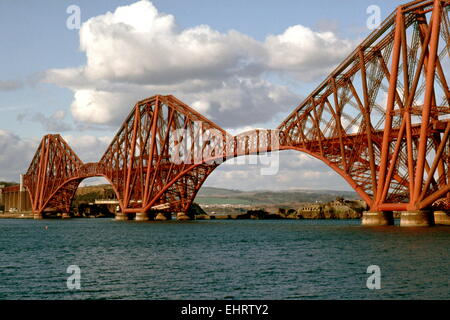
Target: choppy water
{"x": 222, "y": 259}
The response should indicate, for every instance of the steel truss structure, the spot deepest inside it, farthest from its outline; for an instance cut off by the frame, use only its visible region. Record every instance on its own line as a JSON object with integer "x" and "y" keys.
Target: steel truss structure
{"x": 381, "y": 120}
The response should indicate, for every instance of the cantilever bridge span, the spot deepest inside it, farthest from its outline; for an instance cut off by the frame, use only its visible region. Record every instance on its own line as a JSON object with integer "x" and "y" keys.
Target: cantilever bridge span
{"x": 381, "y": 120}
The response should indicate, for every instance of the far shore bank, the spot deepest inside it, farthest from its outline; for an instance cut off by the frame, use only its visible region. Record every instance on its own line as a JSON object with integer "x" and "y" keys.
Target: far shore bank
{"x": 337, "y": 210}
{"x": 244, "y": 216}
{"x": 16, "y": 215}
{"x": 251, "y": 215}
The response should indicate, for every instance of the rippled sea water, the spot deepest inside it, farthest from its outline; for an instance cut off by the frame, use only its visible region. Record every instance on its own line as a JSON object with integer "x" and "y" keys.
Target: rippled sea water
{"x": 221, "y": 259}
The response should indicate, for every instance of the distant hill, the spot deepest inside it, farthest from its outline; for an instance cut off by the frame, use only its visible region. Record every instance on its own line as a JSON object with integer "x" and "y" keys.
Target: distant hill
{"x": 99, "y": 188}
{"x": 209, "y": 195}
{"x": 211, "y": 191}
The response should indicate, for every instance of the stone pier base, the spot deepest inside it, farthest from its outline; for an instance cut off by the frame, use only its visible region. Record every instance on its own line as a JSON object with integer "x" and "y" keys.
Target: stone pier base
{"x": 377, "y": 218}
{"x": 417, "y": 218}
{"x": 183, "y": 216}
{"x": 121, "y": 216}
{"x": 442, "y": 218}
{"x": 163, "y": 216}
{"x": 65, "y": 215}
{"x": 141, "y": 216}
{"x": 38, "y": 216}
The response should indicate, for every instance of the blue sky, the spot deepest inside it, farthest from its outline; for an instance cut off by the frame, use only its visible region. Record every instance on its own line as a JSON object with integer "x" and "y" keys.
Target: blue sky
{"x": 34, "y": 100}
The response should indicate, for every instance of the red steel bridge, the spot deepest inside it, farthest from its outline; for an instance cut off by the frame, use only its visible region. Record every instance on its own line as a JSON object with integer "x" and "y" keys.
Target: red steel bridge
{"x": 381, "y": 120}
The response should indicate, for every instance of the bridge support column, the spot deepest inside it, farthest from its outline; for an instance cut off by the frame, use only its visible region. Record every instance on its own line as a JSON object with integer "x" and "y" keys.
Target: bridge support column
{"x": 417, "y": 218}
{"x": 120, "y": 216}
{"x": 163, "y": 216}
{"x": 141, "y": 216}
{"x": 377, "y": 218}
{"x": 38, "y": 216}
{"x": 183, "y": 216}
{"x": 442, "y": 218}
{"x": 65, "y": 215}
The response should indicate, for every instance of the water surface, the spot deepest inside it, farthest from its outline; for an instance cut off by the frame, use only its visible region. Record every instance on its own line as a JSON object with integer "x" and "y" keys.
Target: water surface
{"x": 221, "y": 259}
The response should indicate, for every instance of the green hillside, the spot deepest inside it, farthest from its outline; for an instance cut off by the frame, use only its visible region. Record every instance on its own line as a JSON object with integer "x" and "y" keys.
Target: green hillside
{"x": 211, "y": 191}
{"x": 208, "y": 195}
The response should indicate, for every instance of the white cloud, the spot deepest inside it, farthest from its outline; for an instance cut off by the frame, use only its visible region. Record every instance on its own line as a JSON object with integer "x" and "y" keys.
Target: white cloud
{"x": 136, "y": 52}
{"x": 16, "y": 155}
{"x": 101, "y": 107}
{"x": 139, "y": 44}
{"x": 53, "y": 123}
{"x": 240, "y": 102}
{"x": 305, "y": 53}
{"x": 88, "y": 148}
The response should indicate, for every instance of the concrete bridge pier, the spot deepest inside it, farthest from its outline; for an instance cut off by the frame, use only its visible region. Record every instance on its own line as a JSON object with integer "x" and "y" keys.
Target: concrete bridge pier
{"x": 38, "y": 216}
{"x": 377, "y": 218}
{"x": 65, "y": 215}
{"x": 417, "y": 218}
{"x": 181, "y": 216}
{"x": 442, "y": 218}
{"x": 142, "y": 216}
{"x": 120, "y": 216}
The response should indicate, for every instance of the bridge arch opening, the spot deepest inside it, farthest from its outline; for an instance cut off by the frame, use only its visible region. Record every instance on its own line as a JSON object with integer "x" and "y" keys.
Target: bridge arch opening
{"x": 276, "y": 170}
{"x": 295, "y": 171}
{"x": 95, "y": 197}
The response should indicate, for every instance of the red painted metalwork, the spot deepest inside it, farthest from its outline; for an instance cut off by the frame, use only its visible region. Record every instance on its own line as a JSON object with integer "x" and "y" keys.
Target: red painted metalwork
{"x": 394, "y": 152}
{"x": 380, "y": 120}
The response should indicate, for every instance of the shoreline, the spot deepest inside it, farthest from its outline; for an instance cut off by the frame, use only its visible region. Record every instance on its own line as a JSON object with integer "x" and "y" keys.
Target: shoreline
{"x": 231, "y": 216}
{"x": 17, "y": 215}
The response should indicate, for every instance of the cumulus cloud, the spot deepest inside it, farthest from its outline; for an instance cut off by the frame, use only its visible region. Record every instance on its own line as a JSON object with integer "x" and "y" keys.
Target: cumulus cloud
{"x": 101, "y": 107}
{"x": 139, "y": 44}
{"x": 137, "y": 51}
{"x": 53, "y": 123}
{"x": 304, "y": 53}
{"x": 16, "y": 155}
{"x": 88, "y": 148}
